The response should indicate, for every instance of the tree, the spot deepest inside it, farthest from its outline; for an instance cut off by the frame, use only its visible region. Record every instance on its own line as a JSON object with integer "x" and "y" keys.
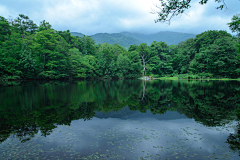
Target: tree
{"x": 44, "y": 26}
{"x": 52, "y": 51}
{"x": 235, "y": 27}
{"x": 123, "y": 65}
{"x": 173, "y": 8}
{"x": 215, "y": 53}
{"x": 223, "y": 56}
{"x": 13, "y": 36}
{"x": 235, "y": 24}
{"x": 80, "y": 63}
{"x": 5, "y": 29}
{"x": 135, "y": 64}
{"x": 182, "y": 54}
{"x": 160, "y": 58}
{"x": 24, "y": 25}
{"x": 106, "y": 55}
{"x": 85, "y": 44}
{"x": 144, "y": 51}
{"x": 27, "y": 63}
{"x": 10, "y": 54}
{"x": 46, "y": 44}
{"x": 132, "y": 48}
{"x": 101, "y": 64}
{"x": 112, "y": 68}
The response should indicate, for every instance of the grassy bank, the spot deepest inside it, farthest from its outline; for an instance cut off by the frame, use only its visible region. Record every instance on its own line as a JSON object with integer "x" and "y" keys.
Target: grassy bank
{"x": 177, "y": 78}
{"x": 190, "y": 77}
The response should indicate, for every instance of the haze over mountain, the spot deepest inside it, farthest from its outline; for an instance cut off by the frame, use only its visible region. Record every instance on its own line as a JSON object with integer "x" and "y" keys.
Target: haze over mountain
{"x": 77, "y": 34}
{"x": 126, "y": 39}
{"x": 118, "y": 38}
{"x": 166, "y": 36}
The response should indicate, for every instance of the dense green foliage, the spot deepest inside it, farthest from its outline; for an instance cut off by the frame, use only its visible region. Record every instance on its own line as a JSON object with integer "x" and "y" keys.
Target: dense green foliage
{"x": 28, "y": 51}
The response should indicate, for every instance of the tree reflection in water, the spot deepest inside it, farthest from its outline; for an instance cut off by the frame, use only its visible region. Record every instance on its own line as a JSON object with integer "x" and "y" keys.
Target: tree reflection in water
{"x": 28, "y": 109}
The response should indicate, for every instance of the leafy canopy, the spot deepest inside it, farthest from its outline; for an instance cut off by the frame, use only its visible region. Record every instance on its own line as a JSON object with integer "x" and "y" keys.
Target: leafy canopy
{"x": 234, "y": 25}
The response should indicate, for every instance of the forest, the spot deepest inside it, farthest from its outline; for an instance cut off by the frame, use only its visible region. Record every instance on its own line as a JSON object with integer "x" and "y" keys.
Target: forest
{"x": 29, "y": 51}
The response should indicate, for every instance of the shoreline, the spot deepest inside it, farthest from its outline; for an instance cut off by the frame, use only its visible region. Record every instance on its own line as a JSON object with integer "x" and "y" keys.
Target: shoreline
{"x": 177, "y": 78}
{"x": 212, "y": 79}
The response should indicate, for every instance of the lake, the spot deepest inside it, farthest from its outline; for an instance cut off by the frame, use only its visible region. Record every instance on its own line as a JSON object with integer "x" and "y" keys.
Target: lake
{"x": 122, "y": 119}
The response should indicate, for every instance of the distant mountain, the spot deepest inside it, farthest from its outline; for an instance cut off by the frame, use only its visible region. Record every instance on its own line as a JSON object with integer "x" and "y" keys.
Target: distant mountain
{"x": 166, "y": 36}
{"x": 118, "y": 38}
{"x": 126, "y": 39}
{"x": 77, "y": 34}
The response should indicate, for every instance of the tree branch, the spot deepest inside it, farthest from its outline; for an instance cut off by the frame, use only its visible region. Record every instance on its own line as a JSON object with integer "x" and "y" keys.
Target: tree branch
{"x": 171, "y": 8}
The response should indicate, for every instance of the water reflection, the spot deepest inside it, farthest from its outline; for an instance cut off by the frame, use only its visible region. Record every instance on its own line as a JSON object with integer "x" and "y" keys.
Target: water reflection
{"x": 126, "y": 119}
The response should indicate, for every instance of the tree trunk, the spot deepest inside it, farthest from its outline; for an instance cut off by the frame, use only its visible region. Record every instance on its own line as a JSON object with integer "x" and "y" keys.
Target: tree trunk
{"x": 144, "y": 69}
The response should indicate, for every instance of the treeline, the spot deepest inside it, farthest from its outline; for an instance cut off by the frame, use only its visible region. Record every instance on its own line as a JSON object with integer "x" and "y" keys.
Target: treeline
{"x": 29, "y": 51}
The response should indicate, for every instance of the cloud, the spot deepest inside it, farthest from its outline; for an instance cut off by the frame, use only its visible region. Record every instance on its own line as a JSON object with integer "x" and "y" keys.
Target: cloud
{"x": 143, "y": 132}
{"x": 200, "y": 18}
{"x": 72, "y": 10}
{"x": 95, "y": 16}
{"x": 5, "y": 12}
{"x": 98, "y": 16}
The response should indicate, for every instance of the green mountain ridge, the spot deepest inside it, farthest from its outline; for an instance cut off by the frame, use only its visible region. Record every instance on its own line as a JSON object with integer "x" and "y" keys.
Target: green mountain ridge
{"x": 122, "y": 40}
{"x": 165, "y": 36}
{"x": 77, "y": 34}
{"x": 126, "y": 39}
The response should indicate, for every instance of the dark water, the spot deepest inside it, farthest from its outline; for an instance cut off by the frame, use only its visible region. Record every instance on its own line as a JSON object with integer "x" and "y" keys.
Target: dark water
{"x": 129, "y": 119}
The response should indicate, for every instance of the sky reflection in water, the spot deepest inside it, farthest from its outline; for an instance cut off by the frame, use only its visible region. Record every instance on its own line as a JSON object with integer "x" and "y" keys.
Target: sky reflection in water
{"x": 125, "y": 134}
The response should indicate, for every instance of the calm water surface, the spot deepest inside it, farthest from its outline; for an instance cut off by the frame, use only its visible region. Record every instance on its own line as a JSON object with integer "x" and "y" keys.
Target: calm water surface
{"x": 128, "y": 119}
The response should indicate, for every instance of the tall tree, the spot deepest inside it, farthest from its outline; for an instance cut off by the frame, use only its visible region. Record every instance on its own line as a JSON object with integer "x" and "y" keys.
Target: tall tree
{"x": 160, "y": 60}
{"x": 27, "y": 63}
{"x": 183, "y": 53}
{"x": 85, "y": 44}
{"x": 135, "y": 64}
{"x": 123, "y": 65}
{"x": 10, "y": 54}
{"x": 132, "y": 48}
{"x": 235, "y": 27}
{"x": 235, "y": 24}
{"x": 45, "y": 45}
{"x": 80, "y": 64}
{"x": 144, "y": 52}
{"x": 5, "y": 29}
{"x": 216, "y": 54}
{"x": 44, "y": 26}
{"x": 24, "y": 25}
{"x": 52, "y": 50}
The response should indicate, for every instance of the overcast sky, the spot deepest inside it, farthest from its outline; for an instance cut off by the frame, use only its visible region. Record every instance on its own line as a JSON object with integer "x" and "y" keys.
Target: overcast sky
{"x": 114, "y": 16}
